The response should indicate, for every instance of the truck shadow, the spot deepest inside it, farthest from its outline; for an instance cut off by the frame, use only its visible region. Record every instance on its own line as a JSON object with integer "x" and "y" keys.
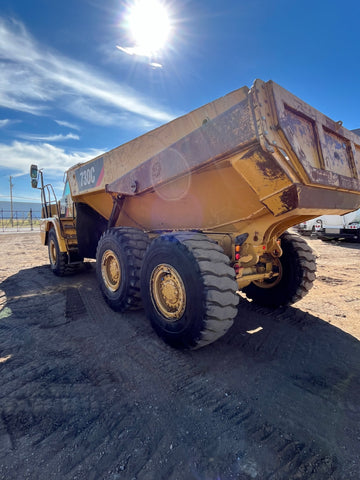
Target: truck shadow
{"x": 291, "y": 339}
{"x": 36, "y": 297}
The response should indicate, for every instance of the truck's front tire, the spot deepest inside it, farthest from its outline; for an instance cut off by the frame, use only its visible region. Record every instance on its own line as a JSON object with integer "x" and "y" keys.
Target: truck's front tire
{"x": 58, "y": 260}
{"x": 118, "y": 261}
{"x": 297, "y": 267}
{"x": 188, "y": 289}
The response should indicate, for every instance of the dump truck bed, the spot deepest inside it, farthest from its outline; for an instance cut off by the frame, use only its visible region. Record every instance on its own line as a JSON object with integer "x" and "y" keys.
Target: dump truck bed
{"x": 255, "y": 153}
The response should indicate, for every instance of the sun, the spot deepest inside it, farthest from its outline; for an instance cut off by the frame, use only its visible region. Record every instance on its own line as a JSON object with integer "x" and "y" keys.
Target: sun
{"x": 148, "y": 25}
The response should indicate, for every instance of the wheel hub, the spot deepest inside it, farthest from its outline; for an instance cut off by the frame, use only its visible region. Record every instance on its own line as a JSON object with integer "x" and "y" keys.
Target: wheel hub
{"x": 168, "y": 292}
{"x": 110, "y": 270}
{"x": 52, "y": 251}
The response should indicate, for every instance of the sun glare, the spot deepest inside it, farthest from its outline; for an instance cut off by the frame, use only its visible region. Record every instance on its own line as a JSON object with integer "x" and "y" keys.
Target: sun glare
{"x": 148, "y": 25}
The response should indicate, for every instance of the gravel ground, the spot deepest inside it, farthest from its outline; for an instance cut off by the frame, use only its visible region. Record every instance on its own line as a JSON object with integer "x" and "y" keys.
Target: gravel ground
{"x": 87, "y": 393}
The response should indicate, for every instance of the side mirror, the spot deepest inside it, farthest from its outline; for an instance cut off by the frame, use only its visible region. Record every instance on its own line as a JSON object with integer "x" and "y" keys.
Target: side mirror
{"x": 34, "y": 175}
{"x": 34, "y": 171}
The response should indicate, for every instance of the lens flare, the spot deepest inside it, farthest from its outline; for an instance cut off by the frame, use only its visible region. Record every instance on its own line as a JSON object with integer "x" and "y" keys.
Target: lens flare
{"x": 148, "y": 25}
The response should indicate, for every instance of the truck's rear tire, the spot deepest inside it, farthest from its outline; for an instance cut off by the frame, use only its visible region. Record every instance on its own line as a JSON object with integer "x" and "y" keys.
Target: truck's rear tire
{"x": 297, "y": 267}
{"x": 58, "y": 260}
{"x": 119, "y": 257}
{"x": 188, "y": 289}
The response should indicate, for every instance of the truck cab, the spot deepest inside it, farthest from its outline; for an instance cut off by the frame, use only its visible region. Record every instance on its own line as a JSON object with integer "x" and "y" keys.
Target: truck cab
{"x": 58, "y": 224}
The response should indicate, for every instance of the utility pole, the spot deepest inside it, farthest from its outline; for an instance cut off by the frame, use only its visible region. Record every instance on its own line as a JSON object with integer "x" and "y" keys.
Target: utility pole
{"x": 11, "y": 203}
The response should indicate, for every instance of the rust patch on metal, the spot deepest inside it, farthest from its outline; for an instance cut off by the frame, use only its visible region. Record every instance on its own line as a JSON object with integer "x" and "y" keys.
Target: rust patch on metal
{"x": 333, "y": 180}
{"x": 262, "y": 172}
{"x": 156, "y": 169}
{"x": 302, "y": 135}
{"x": 290, "y": 199}
{"x": 284, "y": 201}
{"x": 337, "y": 154}
{"x": 268, "y": 165}
{"x": 325, "y": 149}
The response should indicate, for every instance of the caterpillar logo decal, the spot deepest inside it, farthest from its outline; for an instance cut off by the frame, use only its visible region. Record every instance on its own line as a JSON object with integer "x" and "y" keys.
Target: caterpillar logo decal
{"x": 90, "y": 175}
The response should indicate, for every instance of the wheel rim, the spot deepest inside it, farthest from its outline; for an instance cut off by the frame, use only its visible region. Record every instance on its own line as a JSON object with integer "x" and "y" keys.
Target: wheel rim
{"x": 168, "y": 292}
{"x": 110, "y": 270}
{"x": 52, "y": 252}
{"x": 271, "y": 282}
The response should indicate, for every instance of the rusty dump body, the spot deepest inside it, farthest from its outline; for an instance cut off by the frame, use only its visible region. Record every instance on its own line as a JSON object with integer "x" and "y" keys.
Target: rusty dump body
{"x": 257, "y": 160}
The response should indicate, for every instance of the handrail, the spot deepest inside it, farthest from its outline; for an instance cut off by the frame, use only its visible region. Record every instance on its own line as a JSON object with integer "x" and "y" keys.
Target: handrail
{"x": 48, "y": 198}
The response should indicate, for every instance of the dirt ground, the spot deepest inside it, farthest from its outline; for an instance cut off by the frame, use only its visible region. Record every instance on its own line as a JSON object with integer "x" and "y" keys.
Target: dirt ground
{"x": 87, "y": 393}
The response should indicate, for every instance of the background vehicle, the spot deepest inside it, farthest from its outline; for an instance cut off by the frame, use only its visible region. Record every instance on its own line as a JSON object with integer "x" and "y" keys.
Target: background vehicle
{"x": 184, "y": 216}
{"x": 309, "y": 227}
{"x": 336, "y": 227}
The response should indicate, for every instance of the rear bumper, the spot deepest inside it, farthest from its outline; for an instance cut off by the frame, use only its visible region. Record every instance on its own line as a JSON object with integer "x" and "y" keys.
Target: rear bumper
{"x": 344, "y": 234}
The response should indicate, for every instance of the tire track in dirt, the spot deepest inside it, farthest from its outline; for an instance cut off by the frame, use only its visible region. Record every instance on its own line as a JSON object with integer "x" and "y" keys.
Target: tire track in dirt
{"x": 230, "y": 414}
{"x": 75, "y": 397}
{"x": 92, "y": 394}
{"x": 64, "y": 410}
{"x": 187, "y": 381}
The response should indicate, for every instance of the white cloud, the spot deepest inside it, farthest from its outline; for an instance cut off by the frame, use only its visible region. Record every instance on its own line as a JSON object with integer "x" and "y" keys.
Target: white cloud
{"x": 102, "y": 116}
{"x": 67, "y": 124}
{"x": 6, "y": 122}
{"x": 49, "y": 138}
{"x": 155, "y": 65}
{"x": 20, "y": 87}
{"x": 33, "y": 79}
{"x": 18, "y": 156}
{"x": 140, "y": 52}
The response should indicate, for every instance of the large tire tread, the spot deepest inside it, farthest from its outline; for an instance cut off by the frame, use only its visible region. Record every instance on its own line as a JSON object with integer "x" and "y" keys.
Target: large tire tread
{"x": 299, "y": 275}
{"x": 134, "y": 243}
{"x": 220, "y": 287}
{"x": 308, "y": 263}
{"x": 61, "y": 268}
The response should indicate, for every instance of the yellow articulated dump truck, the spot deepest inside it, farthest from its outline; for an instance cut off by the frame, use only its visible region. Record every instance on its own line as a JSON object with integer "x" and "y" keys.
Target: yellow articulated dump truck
{"x": 182, "y": 218}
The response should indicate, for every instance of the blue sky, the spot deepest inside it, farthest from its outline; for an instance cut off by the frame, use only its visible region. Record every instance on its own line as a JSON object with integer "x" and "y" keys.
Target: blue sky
{"x": 75, "y": 81}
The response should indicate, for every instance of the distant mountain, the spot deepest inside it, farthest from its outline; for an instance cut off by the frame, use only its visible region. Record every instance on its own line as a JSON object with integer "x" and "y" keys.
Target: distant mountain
{"x": 20, "y": 209}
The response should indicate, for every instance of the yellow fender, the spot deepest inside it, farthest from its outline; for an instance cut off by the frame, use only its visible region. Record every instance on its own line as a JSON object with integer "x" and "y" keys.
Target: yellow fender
{"x": 46, "y": 226}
